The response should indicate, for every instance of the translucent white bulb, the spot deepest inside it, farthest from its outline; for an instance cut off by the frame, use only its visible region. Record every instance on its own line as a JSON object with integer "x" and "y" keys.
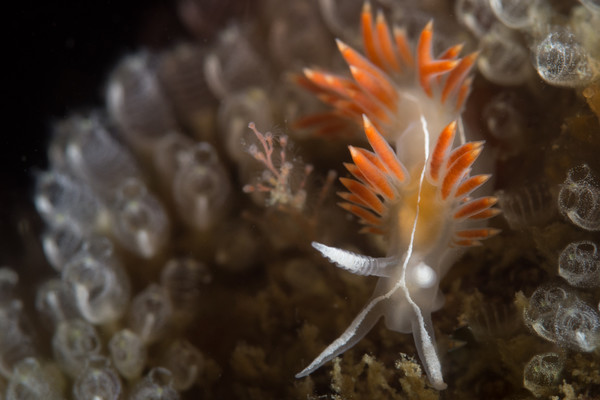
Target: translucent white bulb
{"x": 562, "y": 61}
{"x": 33, "y": 380}
{"x": 579, "y": 198}
{"x": 55, "y": 302}
{"x": 201, "y": 187}
{"x": 60, "y": 245}
{"x": 503, "y": 59}
{"x": 100, "y": 284}
{"x": 61, "y": 201}
{"x": 157, "y": 385}
{"x": 476, "y": 15}
{"x": 96, "y": 157}
{"x": 98, "y": 381}
{"x": 140, "y": 222}
{"x": 136, "y": 100}
{"x": 185, "y": 362}
{"x": 150, "y": 313}
{"x": 73, "y": 343}
{"x": 128, "y": 353}
{"x": 579, "y": 264}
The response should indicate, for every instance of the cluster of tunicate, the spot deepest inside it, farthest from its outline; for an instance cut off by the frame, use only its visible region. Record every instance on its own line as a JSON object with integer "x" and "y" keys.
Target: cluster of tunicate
{"x": 117, "y": 186}
{"x": 579, "y": 198}
{"x": 513, "y": 34}
{"x": 139, "y": 207}
{"x": 557, "y": 314}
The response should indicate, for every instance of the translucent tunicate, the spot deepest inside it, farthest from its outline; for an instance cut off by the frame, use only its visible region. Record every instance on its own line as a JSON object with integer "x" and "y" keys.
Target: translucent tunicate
{"x": 577, "y": 326}
{"x": 166, "y": 157}
{"x": 236, "y": 110}
{"x": 579, "y": 264}
{"x": 579, "y": 198}
{"x": 62, "y": 201}
{"x": 55, "y": 303}
{"x": 340, "y": 17}
{"x": 60, "y": 244}
{"x": 33, "y": 380}
{"x": 98, "y": 381}
{"x": 503, "y": 59}
{"x": 16, "y": 342}
{"x": 150, "y": 313}
{"x": 185, "y": 362}
{"x": 542, "y": 373}
{"x": 180, "y": 73}
{"x": 136, "y": 100}
{"x": 476, "y": 15}
{"x": 505, "y": 121}
{"x": 540, "y": 313}
{"x": 8, "y": 286}
{"x": 201, "y": 187}
{"x": 99, "y": 282}
{"x": 183, "y": 280}
{"x": 516, "y": 14}
{"x": 73, "y": 343}
{"x": 528, "y": 206}
{"x": 128, "y": 353}
{"x": 157, "y": 385}
{"x": 140, "y": 222}
{"x": 234, "y": 65}
{"x": 561, "y": 60}
{"x": 96, "y": 157}
{"x": 295, "y": 28}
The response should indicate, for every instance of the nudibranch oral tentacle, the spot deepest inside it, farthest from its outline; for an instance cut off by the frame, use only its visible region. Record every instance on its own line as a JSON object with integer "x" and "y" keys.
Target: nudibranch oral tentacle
{"x": 418, "y": 195}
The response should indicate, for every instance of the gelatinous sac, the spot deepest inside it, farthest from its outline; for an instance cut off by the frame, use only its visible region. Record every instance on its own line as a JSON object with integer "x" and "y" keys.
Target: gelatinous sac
{"x": 579, "y": 264}
{"x": 556, "y": 314}
{"x": 579, "y": 198}
{"x": 419, "y": 197}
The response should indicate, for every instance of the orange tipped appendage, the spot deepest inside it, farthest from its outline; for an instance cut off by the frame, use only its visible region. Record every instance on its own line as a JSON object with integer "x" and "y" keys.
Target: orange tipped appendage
{"x": 330, "y": 82}
{"x": 384, "y": 151}
{"x": 457, "y": 171}
{"x": 376, "y": 88}
{"x": 470, "y": 184}
{"x": 403, "y": 47}
{"x": 441, "y": 150}
{"x": 428, "y": 67}
{"x": 386, "y": 44}
{"x": 477, "y": 234}
{"x": 457, "y": 76}
{"x": 372, "y": 173}
{"x": 369, "y": 35}
{"x": 366, "y": 216}
{"x": 477, "y": 207}
{"x": 366, "y": 196}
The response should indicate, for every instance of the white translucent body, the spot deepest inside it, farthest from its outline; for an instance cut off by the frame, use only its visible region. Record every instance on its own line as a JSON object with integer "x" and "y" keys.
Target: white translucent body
{"x": 408, "y": 289}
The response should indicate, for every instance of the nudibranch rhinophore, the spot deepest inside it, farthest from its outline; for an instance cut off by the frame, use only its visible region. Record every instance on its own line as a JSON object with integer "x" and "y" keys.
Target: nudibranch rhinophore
{"x": 418, "y": 196}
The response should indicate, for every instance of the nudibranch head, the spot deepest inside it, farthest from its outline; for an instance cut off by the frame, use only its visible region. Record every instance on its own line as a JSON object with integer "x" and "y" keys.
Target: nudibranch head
{"x": 420, "y": 194}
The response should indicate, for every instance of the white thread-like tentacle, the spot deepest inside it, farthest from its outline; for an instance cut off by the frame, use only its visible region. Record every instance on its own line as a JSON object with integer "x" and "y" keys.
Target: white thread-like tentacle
{"x": 357, "y": 263}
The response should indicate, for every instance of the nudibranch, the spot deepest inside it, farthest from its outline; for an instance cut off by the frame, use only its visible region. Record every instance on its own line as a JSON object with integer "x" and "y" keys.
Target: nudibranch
{"x": 418, "y": 196}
